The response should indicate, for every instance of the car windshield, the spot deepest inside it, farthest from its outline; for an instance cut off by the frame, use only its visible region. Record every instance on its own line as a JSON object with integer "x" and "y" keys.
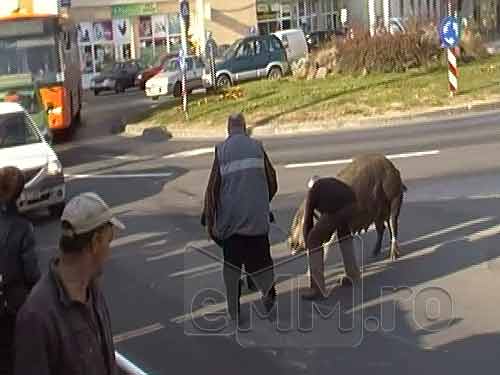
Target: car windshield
{"x": 16, "y": 130}
{"x": 111, "y": 68}
{"x": 26, "y": 98}
{"x": 232, "y": 50}
{"x": 171, "y": 65}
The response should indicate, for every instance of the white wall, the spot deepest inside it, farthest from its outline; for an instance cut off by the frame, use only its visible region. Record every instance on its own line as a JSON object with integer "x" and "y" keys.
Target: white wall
{"x": 417, "y": 8}
{"x": 45, "y": 6}
{"x": 7, "y": 6}
{"x": 91, "y": 3}
{"x": 39, "y": 6}
{"x": 358, "y": 12}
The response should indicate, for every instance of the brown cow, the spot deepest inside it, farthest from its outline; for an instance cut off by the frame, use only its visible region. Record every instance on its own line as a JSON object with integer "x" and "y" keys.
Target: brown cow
{"x": 367, "y": 191}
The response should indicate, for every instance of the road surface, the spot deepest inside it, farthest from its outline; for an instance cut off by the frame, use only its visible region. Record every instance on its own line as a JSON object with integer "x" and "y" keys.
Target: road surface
{"x": 435, "y": 310}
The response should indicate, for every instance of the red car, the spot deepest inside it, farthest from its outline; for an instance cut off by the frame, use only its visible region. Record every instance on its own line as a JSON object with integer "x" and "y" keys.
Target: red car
{"x": 153, "y": 70}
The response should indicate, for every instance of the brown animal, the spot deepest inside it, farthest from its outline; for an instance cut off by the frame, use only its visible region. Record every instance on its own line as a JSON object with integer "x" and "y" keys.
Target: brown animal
{"x": 367, "y": 191}
{"x": 377, "y": 189}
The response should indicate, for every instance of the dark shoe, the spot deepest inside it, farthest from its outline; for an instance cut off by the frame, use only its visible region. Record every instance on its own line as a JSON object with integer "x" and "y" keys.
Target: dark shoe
{"x": 269, "y": 302}
{"x": 313, "y": 294}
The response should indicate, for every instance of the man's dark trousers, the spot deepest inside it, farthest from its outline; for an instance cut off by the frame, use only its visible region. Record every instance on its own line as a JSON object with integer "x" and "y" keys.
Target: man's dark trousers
{"x": 7, "y": 323}
{"x": 255, "y": 253}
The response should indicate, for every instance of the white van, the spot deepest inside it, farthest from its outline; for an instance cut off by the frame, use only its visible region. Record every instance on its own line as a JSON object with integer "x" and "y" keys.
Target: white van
{"x": 22, "y": 146}
{"x": 294, "y": 42}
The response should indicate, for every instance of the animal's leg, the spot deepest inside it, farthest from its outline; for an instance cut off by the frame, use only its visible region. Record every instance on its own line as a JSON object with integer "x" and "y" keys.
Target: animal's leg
{"x": 393, "y": 225}
{"x": 351, "y": 268}
{"x": 380, "y": 236}
{"x": 321, "y": 233}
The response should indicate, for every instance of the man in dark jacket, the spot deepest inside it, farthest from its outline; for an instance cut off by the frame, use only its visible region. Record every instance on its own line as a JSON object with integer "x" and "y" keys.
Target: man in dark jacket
{"x": 19, "y": 270}
{"x": 64, "y": 327}
{"x": 237, "y": 212}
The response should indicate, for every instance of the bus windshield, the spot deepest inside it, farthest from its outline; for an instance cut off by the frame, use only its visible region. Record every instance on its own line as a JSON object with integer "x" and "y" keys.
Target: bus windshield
{"x": 29, "y": 55}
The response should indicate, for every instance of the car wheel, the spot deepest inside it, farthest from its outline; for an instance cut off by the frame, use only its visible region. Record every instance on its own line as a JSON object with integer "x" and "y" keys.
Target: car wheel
{"x": 223, "y": 82}
{"x": 177, "y": 90}
{"x": 96, "y": 92}
{"x": 275, "y": 74}
{"x": 57, "y": 210}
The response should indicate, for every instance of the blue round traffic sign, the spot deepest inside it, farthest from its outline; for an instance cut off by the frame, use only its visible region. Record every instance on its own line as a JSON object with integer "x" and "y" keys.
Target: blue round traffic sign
{"x": 449, "y": 32}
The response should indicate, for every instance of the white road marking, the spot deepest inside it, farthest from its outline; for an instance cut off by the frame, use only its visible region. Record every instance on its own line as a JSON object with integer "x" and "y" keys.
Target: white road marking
{"x": 186, "y": 249}
{"x": 137, "y": 333}
{"x": 121, "y": 241}
{"x": 453, "y": 228}
{"x": 190, "y": 153}
{"x": 193, "y": 270}
{"x": 109, "y": 176}
{"x": 486, "y": 233}
{"x": 131, "y": 157}
{"x": 347, "y": 161}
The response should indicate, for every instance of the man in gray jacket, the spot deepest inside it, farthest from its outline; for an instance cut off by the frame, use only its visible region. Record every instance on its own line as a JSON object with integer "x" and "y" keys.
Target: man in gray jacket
{"x": 237, "y": 212}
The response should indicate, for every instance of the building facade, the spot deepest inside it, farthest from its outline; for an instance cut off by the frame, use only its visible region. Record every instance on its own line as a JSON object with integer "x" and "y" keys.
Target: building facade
{"x": 114, "y": 30}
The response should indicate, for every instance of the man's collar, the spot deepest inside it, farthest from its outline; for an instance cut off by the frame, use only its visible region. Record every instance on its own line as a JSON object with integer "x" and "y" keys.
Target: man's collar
{"x": 237, "y": 131}
{"x": 62, "y": 293}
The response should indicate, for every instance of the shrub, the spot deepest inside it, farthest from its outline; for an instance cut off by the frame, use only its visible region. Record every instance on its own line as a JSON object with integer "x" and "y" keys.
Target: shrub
{"x": 472, "y": 45}
{"x": 385, "y": 53}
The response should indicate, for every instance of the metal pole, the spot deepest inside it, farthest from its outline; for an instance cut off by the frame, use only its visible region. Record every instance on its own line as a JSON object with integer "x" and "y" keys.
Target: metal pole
{"x": 452, "y": 61}
{"x": 126, "y": 366}
{"x": 184, "y": 33}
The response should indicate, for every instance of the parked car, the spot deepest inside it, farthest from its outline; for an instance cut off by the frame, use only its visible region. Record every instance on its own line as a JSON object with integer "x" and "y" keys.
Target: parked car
{"x": 152, "y": 70}
{"x": 169, "y": 80}
{"x": 23, "y": 146}
{"x": 397, "y": 25}
{"x": 119, "y": 77}
{"x": 294, "y": 42}
{"x": 250, "y": 58}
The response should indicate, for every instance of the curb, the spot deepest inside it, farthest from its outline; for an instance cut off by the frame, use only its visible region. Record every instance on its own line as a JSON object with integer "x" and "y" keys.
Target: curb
{"x": 267, "y": 130}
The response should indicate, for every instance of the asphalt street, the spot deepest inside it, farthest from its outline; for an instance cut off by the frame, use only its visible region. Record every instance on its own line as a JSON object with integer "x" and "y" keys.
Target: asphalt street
{"x": 436, "y": 309}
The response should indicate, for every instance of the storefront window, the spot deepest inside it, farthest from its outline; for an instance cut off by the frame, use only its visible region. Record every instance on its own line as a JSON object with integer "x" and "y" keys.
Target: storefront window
{"x": 159, "y": 34}
{"x": 174, "y": 26}
{"x": 103, "y": 56}
{"x": 273, "y": 17}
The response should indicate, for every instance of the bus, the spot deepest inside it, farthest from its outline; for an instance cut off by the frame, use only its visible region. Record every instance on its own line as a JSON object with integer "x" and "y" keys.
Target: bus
{"x": 44, "y": 47}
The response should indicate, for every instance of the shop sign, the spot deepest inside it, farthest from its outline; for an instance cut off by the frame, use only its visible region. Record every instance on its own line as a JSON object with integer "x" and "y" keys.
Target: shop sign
{"x": 131, "y": 10}
{"x": 262, "y": 8}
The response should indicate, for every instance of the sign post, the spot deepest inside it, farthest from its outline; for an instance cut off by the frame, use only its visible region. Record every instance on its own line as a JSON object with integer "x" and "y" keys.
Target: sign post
{"x": 184, "y": 19}
{"x": 210, "y": 54}
{"x": 449, "y": 31}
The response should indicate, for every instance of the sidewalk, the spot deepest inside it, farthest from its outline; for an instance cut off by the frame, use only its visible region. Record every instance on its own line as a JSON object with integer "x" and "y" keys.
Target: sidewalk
{"x": 493, "y": 47}
{"x": 351, "y": 124}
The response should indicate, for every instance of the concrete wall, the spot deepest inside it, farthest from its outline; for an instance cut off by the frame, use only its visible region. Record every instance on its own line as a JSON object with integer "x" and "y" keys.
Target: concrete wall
{"x": 357, "y": 12}
{"x": 231, "y": 20}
